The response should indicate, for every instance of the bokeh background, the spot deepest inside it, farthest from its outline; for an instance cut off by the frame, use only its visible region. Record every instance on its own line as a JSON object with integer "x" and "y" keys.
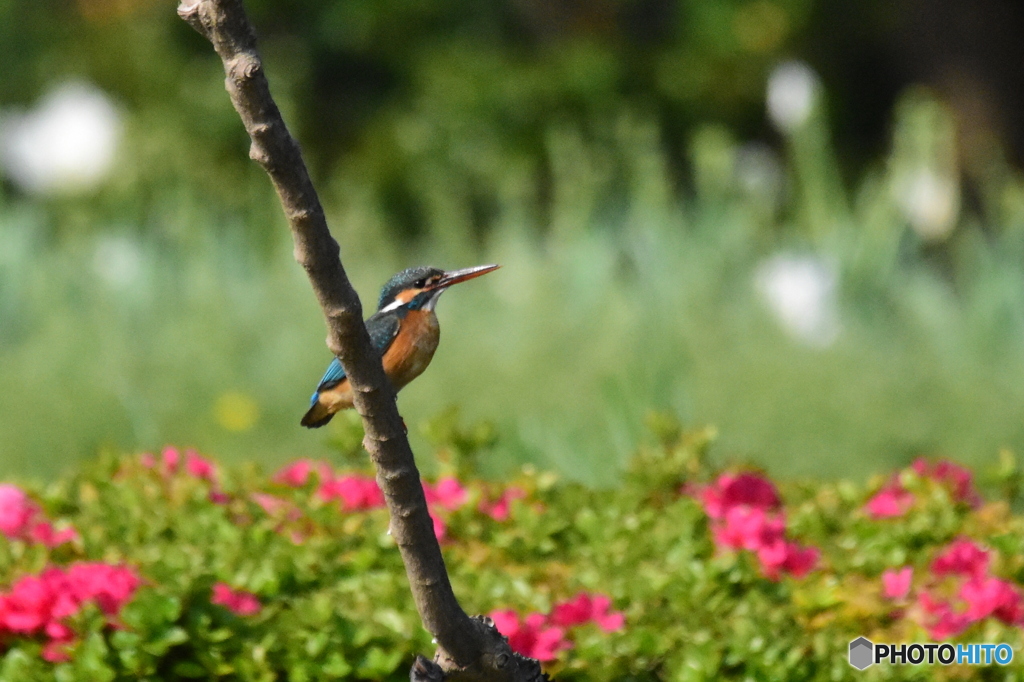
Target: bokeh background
{"x": 800, "y": 221}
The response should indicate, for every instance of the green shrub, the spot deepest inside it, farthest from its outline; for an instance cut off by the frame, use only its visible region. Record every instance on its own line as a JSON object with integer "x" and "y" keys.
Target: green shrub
{"x": 295, "y": 577}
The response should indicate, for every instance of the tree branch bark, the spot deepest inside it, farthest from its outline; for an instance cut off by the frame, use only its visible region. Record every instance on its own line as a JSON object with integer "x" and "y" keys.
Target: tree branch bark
{"x": 468, "y": 648}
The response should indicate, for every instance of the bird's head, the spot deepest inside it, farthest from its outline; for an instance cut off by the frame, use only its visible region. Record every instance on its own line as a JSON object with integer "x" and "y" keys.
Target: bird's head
{"x": 419, "y": 288}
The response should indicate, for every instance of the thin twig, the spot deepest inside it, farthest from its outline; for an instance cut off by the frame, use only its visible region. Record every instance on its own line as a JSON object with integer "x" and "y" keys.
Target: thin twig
{"x": 468, "y": 648}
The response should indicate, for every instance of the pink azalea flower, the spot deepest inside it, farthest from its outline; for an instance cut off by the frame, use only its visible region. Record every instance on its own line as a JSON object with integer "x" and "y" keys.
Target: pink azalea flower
{"x": 440, "y": 527}
{"x": 147, "y": 460}
{"x": 447, "y": 493}
{"x": 740, "y": 490}
{"x": 111, "y": 587}
{"x": 955, "y": 477}
{"x": 44, "y": 534}
{"x": 779, "y": 556}
{"x": 219, "y": 496}
{"x": 171, "y": 459}
{"x": 532, "y": 636}
{"x": 944, "y": 623}
{"x": 297, "y": 473}
{"x": 896, "y": 582}
{"x": 22, "y": 519}
{"x": 799, "y": 560}
{"x": 746, "y": 513}
{"x": 200, "y": 467}
{"x": 586, "y": 608}
{"x": 357, "y": 493}
{"x": 271, "y": 504}
{"x": 55, "y": 651}
{"x": 502, "y": 508}
{"x": 992, "y": 597}
{"x": 59, "y": 631}
{"x": 26, "y": 608}
{"x": 748, "y": 528}
{"x": 892, "y": 500}
{"x": 17, "y": 511}
{"x": 239, "y": 602}
{"x": 38, "y": 605}
{"x": 961, "y": 557}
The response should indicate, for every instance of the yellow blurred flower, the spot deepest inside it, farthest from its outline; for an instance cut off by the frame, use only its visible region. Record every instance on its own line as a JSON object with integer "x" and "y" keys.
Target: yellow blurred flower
{"x": 236, "y": 411}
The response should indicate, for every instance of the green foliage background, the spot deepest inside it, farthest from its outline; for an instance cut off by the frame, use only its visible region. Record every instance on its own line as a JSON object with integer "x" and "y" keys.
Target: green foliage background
{"x": 597, "y": 151}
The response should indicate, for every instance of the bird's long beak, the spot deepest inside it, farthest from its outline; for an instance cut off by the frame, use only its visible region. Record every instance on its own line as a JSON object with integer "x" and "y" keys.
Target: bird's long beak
{"x": 455, "y": 276}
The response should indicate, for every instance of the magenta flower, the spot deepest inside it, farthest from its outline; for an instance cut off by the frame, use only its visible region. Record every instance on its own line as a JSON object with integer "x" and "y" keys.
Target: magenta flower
{"x": 298, "y": 472}
{"x": 295, "y": 474}
{"x": 502, "y": 508}
{"x": 586, "y": 608}
{"x": 111, "y": 587}
{"x": 440, "y": 527}
{"x": 961, "y": 557}
{"x": 447, "y": 493}
{"x": 748, "y": 528}
{"x": 943, "y": 622}
{"x": 22, "y": 519}
{"x": 741, "y": 490}
{"x": 17, "y": 511}
{"x": 896, "y": 582}
{"x": 239, "y": 602}
{"x": 787, "y": 557}
{"x": 38, "y": 605}
{"x": 894, "y": 500}
{"x": 992, "y": 597}
{"x": 357, "y": 493}
{"x": 271, "y": 504}
{"x": 29, "y": 605}
{"x": 56, "y": 650}
{"x": 764, "y": 533}
{"x": 200, "y": 467}
{"x": 980, "y": 595}
{"x": 44, "y": 534}
{"x": 891, "y": 501}
{"x": 952, "y": 475}
{"x": 746, "y": 513}
{"x": 532, "y": 636}
{"x": 171, "y": 459}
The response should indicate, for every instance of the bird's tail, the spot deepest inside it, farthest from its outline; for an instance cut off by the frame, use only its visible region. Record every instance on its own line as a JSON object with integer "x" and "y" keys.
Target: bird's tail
{"x": 318, "y": 415}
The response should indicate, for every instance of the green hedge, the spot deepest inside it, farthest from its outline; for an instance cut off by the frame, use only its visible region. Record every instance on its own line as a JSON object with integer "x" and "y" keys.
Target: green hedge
{"x": 230, "y": 574}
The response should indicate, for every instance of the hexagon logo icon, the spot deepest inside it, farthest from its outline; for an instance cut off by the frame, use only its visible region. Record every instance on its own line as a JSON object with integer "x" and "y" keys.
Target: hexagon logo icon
{"x": 861, "y": 650}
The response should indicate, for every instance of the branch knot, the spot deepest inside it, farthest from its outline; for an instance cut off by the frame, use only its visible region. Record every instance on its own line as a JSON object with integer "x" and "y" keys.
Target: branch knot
{"x": 243, "y": 66}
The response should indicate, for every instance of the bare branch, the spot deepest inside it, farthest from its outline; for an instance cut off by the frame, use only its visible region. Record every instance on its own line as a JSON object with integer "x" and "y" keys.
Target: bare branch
{"x": 469, "y": 648}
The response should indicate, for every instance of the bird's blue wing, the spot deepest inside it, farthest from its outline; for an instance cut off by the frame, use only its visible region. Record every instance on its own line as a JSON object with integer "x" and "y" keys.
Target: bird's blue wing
{"x": 382, "y": 328}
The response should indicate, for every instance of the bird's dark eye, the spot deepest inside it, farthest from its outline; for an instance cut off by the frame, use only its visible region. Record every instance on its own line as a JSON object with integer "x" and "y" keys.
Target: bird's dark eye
{"x": 420, "y": 283}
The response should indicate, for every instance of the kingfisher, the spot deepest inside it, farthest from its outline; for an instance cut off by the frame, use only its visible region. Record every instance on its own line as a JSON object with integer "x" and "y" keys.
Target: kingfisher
{"x": 404, "y": 330}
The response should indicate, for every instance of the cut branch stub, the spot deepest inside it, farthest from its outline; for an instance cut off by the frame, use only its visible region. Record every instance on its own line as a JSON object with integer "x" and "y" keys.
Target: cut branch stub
{"x": 497, "y": 662}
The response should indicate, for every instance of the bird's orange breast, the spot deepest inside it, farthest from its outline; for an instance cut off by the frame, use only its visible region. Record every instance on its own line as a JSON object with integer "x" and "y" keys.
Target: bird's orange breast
{"x": 405, "y": 359}
{"x": 413, "y": 347}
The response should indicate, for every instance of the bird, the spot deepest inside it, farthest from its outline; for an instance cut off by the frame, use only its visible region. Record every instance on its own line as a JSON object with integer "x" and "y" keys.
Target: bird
{"x": 404, "y": 330}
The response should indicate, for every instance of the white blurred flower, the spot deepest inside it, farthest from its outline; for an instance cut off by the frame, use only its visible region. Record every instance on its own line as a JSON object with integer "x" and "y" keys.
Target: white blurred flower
{"x": 792, "y": 90}
{"x": 67, "y": 143}
{"x": 929, "y": 201}
{"x": 118, "y": 261}
{"x": 801, "y": 292}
